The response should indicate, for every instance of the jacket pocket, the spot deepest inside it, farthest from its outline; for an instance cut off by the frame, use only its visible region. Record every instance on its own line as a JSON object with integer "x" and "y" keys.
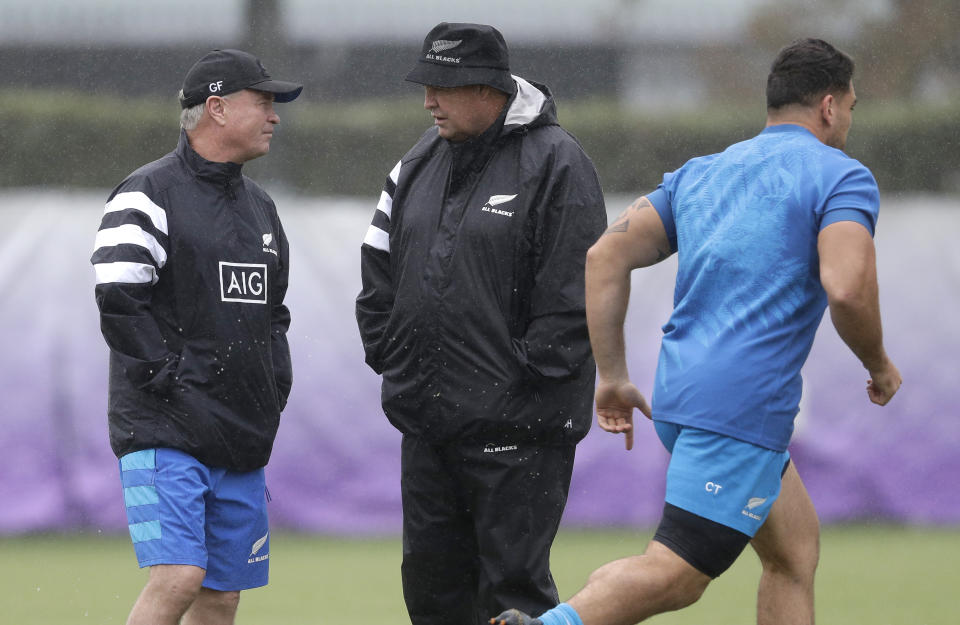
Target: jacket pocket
{"x": 197, "y": 369}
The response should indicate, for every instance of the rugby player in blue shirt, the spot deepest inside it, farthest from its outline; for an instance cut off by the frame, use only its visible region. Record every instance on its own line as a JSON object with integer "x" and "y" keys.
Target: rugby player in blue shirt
{"x": 769, "y": 233}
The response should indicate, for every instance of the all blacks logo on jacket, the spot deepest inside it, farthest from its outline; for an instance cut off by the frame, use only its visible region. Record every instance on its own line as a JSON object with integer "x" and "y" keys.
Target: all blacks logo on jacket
{"x": 243, "y": 282}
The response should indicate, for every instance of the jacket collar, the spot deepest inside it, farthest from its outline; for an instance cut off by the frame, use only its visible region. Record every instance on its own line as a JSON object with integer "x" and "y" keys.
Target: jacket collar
{"x": 208, "y": 170}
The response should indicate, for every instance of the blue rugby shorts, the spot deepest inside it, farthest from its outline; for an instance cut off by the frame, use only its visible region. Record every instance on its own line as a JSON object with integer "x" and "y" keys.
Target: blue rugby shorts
{"x": 723, "y": 479}
{"x": 181, "y": 511}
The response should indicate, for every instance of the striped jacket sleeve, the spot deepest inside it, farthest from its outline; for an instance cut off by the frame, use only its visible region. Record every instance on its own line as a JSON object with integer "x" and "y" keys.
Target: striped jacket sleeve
{"x": 375, "y": 302}
{"x": 130, "y": 249}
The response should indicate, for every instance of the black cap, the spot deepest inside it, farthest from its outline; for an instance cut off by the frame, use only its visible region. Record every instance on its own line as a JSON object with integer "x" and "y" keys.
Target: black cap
{"x": 454, "y": 55}
{"x": 221, "y": 72}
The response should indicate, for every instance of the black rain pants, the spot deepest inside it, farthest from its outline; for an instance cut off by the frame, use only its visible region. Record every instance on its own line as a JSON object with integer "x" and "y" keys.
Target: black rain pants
{"x": 478, "y": 523}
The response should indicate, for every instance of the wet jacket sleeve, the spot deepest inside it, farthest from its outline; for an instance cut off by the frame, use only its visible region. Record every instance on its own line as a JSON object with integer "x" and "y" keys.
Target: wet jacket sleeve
{"x": 571, "y": 218}
{"x": 375, "y": 301}
{"x": 279, "y": 323}
{"x": 130, "y": 249}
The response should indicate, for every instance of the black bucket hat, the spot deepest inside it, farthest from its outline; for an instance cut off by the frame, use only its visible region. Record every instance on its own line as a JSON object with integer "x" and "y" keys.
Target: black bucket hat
{"x": 221, "y": 72}
{"x": 454, "y": 55}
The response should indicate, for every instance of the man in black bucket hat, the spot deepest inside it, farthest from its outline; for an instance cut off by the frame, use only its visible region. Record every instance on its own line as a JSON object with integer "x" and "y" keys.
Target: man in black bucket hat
{"x": 455, "y": 55}
{"x": 472, "y": 309}
{"x": 191, "y": 263}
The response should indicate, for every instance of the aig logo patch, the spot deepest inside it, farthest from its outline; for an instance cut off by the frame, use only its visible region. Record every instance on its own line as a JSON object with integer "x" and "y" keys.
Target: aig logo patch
{"x": 243, "y": 282}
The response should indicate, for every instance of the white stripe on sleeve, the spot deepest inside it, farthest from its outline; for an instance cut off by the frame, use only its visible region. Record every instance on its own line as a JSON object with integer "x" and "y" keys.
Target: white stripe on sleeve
{"x": 134, "y": 235}
{"x": 130, "y": 273}
{"x": 377, "y": 238}
{"x": 395, "y": 172}
{"x": 385, "y": 205}
{"x": 138, "y": 200}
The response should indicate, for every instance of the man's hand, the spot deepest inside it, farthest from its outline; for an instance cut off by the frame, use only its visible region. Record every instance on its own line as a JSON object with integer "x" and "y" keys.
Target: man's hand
{"x": 883, "y": 384}
{"x": 615, "y": 404}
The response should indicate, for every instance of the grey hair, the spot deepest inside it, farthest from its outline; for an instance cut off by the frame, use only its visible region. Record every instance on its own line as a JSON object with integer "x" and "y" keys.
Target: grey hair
{"x": 190, "y": 117}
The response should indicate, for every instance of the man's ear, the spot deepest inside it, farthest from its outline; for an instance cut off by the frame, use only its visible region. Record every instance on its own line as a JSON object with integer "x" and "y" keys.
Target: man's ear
{"x": 486, "y": 92}
{"x": 828, "y": 109}
{"x": 215, "y": 109}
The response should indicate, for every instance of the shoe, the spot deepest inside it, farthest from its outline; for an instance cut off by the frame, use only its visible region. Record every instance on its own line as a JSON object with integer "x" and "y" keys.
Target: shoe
{"x": 515, "y": 617}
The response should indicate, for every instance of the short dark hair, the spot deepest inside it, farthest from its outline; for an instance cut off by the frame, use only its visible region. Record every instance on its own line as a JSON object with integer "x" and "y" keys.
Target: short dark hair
{"x": 805, "y": 71}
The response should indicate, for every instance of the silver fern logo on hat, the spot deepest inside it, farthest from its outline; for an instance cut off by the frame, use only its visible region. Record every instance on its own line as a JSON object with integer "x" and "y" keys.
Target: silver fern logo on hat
{"x": 442, "y": 44}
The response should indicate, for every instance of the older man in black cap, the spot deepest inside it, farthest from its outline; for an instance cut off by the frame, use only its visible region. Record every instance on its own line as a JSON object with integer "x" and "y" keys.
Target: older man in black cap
{"x": 191, "y": 269}
{"x": 472, "y": 309}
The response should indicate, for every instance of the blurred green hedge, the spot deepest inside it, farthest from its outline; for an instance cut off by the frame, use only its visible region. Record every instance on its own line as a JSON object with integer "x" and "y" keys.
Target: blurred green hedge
{"x": 79, "y": 140}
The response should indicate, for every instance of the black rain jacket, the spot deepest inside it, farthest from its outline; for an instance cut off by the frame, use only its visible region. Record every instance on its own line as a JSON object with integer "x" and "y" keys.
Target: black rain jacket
{"x": 191, "y": 264}
{"x": 472, "y": 304}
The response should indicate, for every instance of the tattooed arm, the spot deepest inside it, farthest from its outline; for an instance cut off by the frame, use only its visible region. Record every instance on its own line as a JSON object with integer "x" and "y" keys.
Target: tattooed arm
{"x": 636, "y": 239}
{"x": 638, "y": 233}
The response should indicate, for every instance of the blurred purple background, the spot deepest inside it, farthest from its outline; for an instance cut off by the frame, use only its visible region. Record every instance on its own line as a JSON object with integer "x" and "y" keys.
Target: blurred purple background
{"x": 335, "y": 465}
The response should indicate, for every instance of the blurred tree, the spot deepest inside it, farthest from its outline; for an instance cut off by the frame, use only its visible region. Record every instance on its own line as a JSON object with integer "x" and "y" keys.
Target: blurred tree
{"x": 916, "y": 53}
{"x": 903, "y": 48}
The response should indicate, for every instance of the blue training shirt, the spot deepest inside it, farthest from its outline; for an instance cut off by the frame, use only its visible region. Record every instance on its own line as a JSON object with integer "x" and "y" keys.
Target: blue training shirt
{"x": 748, "y": 297}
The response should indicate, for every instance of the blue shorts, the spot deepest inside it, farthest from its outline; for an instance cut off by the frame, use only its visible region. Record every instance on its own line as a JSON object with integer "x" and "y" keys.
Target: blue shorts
{"x": 723, "y": 479}
{"x": 181, "y": 511}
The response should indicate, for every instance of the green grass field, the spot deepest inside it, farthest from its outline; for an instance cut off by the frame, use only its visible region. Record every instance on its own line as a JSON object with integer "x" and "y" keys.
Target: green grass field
{"x": 869, "y": 575}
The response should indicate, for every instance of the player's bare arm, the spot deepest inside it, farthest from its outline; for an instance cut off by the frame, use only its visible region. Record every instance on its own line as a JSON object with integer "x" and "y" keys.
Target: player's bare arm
{"x": 848, "y": 273}
{"x": 636, "y": 239}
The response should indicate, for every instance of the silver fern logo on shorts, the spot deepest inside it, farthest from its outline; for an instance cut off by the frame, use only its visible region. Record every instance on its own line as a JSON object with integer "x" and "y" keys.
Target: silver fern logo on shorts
{"x": 253, "y": 558}
{"x": 755, "y": 501}
{"x": 752, "y": 504}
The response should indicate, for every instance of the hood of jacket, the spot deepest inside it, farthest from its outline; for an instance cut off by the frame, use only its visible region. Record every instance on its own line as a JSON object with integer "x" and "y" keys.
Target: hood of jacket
{"x": 531, "y": 106}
